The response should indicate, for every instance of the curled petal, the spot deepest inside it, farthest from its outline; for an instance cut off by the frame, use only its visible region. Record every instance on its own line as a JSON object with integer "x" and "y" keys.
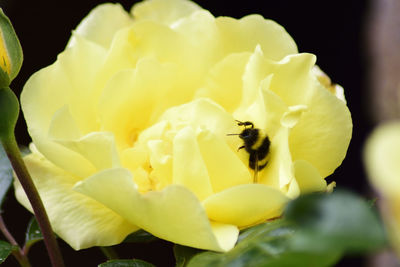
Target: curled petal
{"x": 78, "y": 219}
{"x": 244, "y": 205}
{"x": 173, "y": 214}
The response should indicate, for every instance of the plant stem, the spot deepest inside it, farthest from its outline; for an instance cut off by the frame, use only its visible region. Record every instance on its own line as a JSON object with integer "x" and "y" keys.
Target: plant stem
{"x": 18, "y": 254}
{"x": 13, "y": 153}
{"x": 109, "y": 252}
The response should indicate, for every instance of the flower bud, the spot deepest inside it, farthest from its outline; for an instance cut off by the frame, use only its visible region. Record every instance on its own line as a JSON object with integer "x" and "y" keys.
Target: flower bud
{"x": 10, "y": 51}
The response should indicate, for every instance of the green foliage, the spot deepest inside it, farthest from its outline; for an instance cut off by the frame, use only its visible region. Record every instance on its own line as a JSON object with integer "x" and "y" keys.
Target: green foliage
{"x": 5, "y": 250}
{"x": 340, "y": 221}
{"x": 184, "y": 254}
{"x": 316, "y": 230}
{"x": 6, "y": 175}
{"x": 9, "y": 111}
{"x": 32, "y": 235}
{"x": 126, "y": 263}
{"x": 11, "y": 49}
{"x": 140, "y": 236}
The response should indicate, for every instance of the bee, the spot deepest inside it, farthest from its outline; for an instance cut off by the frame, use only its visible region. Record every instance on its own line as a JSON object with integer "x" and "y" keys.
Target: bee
{"x": 256, "y": 145}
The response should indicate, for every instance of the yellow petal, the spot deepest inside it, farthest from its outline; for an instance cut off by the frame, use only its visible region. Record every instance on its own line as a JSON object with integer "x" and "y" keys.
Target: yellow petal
{"x": 64, "y": 83}
{"x": 97, "y": 147}
{"x": 223, "y": 164}
{"x": 274, "y": 108}
{"x": 101, "y": 24}
{"x": 382, "y": 161}
{"x": 244, "y": 205}
{"x": 323, "y": 133}
{"x": 308, "y": 178}
{"x": 79, "y": 220}
{"x": 163, "y": 11}
{"x": 131, "y": 99}
{"x": 293, "y": 115}
{"x": 161, "y": 161}
{"x": 382, "y": 158}
{"x": 202, "y": 113}
{"x": 279, "y": 171}
{"x": 173, "y": 214}
{"x": 245, "y": 34}
{"x": 63, "y": 125}
{"x": 224, "y": 81}
{"x": 296, "y": 89}
{"x": 189, "y": 168}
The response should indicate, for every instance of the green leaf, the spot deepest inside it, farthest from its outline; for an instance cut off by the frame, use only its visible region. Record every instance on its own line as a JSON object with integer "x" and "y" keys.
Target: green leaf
{"x": 5, "y": 250}
{"x": 341, "y": 221}
{"x": 183, "y": 254}
{"x": 140, "y": 236}
{"x": 6, "y": 175}
{"x": 267, "y": 245}
{"x": 9, "y": 110}
{"x": 126, "y": 263}
{"x": 32, "y": 235}
{"x": 316, "y": 230}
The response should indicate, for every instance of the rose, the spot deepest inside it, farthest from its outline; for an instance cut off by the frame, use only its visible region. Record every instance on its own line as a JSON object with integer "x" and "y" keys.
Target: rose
{"x": 130, "y": 126}
{"x": 381, "y": 157}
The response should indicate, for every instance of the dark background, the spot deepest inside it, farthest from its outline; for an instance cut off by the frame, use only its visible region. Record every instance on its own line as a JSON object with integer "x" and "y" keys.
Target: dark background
{"x": 332, "y": 30}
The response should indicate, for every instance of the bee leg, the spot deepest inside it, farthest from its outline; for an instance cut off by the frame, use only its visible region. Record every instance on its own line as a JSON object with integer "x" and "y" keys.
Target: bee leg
{"x": 240, "y": 148}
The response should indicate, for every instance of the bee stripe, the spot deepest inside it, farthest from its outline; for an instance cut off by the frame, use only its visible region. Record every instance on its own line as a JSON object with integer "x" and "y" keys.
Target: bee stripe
{"x": 259, "y": 141}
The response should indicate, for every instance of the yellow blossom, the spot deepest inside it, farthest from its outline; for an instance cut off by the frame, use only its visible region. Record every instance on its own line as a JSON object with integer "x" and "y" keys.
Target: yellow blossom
{"x": 382, "y": 161}
{"x": 130, "y": 125}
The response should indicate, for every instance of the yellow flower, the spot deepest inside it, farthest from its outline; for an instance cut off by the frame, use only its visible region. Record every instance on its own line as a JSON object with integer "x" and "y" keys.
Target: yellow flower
{"x": 382, "y": 161}
{"x": 130, "y": 126}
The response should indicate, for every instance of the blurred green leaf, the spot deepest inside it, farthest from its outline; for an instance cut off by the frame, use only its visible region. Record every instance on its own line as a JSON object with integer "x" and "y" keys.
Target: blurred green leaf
{"x": 183, "y": 254}
{"x": 126, "y": 263}
{"x": 5, "y": 250}
{"x": 6, "y": 174}
{"x": 140, "y": 236}
{"x": 341, "y": 221}
{"x": 316, "y": 230}
{"x": 32, "y": 235}
{"x": 267, "y": 245}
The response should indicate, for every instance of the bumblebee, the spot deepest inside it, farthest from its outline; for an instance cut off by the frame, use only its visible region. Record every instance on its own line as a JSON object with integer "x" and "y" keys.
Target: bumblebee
{"x": 256, "y": 145}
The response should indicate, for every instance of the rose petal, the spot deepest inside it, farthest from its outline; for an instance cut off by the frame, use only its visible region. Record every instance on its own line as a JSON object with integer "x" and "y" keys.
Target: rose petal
{"x": 97, "y": 147}
{"x": 244, "y": 205}
{"x": 161, "y": 162}
{"x": 81, "y": 80}
{"x": 79, "y": 220}
{"x": 238, "y": 36}
{"x": 308, "y": 178}
{"x": 52, "y": 89}
{"x": 296, "y": 90}
{"x": 163, "y": 11}
{"x": 130, "y": 99}
{"x": 323, "y": 133}
{"x": 189, "y": 168}
{"x": 173, "y": 214}
{"x": 223, "y": 165}
{"x": 63, "y": 125}
{"x": 101, "y": 24}
{"x": 382, "y": 158}
{"x": 224, "y": 81}
{"x": 279, "y": 171}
